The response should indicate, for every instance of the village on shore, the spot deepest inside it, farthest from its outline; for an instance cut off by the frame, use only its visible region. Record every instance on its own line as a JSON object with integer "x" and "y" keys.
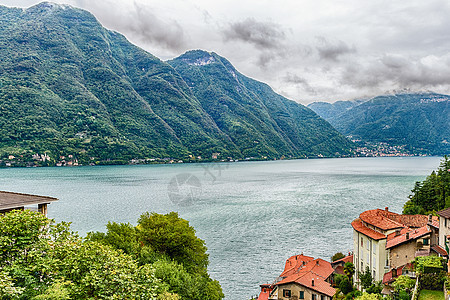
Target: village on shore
{"x": 385, "y": 247}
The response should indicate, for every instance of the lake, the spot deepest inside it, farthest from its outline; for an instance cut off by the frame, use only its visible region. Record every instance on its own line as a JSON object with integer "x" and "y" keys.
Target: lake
{"x": 252, "y": 215}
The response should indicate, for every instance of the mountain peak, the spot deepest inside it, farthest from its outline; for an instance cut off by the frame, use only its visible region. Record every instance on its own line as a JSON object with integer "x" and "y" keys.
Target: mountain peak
{"x": 49, "y": 6}
{"x": 198, "y": 57}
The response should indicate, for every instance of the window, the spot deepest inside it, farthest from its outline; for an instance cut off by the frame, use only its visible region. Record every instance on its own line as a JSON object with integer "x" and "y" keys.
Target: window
{"x": 374, "y": 274}
{"x": 374, "y": 248}
{"x": 322, "y": 297}
{"x": 425, "y": 241}
{"x": 362, "y": 266}
{"x": 362, "y": 241}
{"x": 368, "y": 245}
{"x": 368, "y": 258}
{"x": 374, "y": 263}
{"x": 302, "y": 295}
{"x": 287, "y": 293}
{"x": 314, "y": 297}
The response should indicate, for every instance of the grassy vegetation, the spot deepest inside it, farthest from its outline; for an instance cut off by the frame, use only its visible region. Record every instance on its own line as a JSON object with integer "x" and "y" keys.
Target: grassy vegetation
{"x": 431, "y": 295}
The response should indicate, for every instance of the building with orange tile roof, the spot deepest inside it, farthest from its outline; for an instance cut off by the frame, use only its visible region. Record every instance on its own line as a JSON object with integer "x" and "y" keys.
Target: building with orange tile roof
{"x": 303, "y": 277}
{"x": 383, "y": 239}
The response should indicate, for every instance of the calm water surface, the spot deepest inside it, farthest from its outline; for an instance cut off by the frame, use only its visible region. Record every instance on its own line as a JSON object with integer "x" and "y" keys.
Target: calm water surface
{"x": 252, "y": 215}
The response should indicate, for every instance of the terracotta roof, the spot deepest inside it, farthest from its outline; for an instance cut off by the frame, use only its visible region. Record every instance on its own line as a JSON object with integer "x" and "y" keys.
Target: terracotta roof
{"x": 303, "y": 269}
{"x": 9, "y": 200}
{"x": 382, "y": 219}
{"x": 414, "y": 221}
{"x": 445, "y": 213}
{"x": 435, "y": 223}
{"x": 358, "y": 226}
{"x": 294, "y": 263}
{"x": 438, "y": 249}
{"x": 393, "y": 240}
{"x": 306, "y": 279}
{"x": 265, "y": 291}
{"x": 344, "y": 260}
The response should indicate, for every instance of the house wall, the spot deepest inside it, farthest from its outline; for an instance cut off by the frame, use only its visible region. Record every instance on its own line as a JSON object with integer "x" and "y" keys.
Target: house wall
{"x": 443, "y": 231}
{"x": 371, "y": 254}
{"x": 295, "y": 292}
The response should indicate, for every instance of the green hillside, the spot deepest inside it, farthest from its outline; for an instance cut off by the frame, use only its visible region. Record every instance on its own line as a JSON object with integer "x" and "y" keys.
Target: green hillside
{"x": 68, "y": 86}
{"x": 420, "y": 121}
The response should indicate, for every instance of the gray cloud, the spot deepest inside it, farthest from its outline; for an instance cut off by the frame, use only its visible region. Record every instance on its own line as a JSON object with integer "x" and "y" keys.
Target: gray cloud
{"x": 399, "y": 72}
{"x": 264, "y": 35}
{"x": 168, "y": 33}
{"x": 332, "y": 51}
{"x": 300, "y": 82}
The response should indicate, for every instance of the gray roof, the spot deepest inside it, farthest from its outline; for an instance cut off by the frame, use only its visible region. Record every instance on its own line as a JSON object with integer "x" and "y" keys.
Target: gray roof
{"x": 444, "y": 213}
{"x": 9, "y": 200}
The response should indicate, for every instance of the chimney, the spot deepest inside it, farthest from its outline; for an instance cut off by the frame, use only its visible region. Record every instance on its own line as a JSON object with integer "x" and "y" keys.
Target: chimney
{"x": 312, "y": 282}
{"x": 430, "y": 219}
{"x": 317, "y": 262}
{"x": 407, "y": 235}
{"x": 386, "y": 208}
{"x": 397, "y": 232}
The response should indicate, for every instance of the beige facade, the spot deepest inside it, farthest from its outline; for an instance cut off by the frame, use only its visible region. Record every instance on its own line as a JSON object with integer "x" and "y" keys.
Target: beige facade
{"x": 370, "y": 253}
{"x": 444, "y": 230}
{"x": 404, "y": 253}
{"x": 294, "y": 291}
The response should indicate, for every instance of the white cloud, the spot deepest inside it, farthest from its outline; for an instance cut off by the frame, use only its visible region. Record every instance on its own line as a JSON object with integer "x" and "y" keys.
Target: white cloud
{"x": 305, "y": 49}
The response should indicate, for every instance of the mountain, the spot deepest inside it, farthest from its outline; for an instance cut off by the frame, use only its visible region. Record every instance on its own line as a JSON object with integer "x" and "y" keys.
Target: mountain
{"x": 68, "y": 86}
{"x": 418, "y": 120}
{"x": 257, "y": 120}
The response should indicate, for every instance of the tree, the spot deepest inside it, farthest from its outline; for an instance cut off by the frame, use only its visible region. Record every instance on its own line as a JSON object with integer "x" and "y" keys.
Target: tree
{"x": 349, "y": 271}
{"x": 365, "y": 278}
{"x": 173, "y": 236}
{"x": 337, "y": 256}
{"x": 43, "y": 260}
{"x": 367, "y": 296}
{"x": 433, "y": 193}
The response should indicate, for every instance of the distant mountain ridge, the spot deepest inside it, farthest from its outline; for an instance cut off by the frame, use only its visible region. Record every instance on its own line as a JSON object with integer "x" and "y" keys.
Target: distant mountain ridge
{"x": 418, "y": 120}
{"x": 70, "y": 86}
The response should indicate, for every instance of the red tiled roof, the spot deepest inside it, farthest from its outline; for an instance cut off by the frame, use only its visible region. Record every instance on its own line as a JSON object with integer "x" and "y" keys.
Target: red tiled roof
{"x": 346, "y": 259}
{"x": 393, "y": 240}
{"x": 382, "y": 219}
{"x": 438, "y": 249}
{"x": 414, "y": 221}
{"x": 435, "y": 223}
{"x": 306, "y": 279}
{"x": 303, "y": 269}
{"x": 294, "y": 263}
{"x": 358, "y": 226}
{"x": 265, "y": 291}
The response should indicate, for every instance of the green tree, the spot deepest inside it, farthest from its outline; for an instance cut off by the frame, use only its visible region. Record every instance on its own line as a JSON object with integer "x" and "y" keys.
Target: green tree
{"x": 173, "y": 236}
{"x": 365, "y": 278}
{"x": 349, "y": 271}
{"x": 47, "y": 261}
{"x": 433, "y": 193}
{"x": 337, "y": 256}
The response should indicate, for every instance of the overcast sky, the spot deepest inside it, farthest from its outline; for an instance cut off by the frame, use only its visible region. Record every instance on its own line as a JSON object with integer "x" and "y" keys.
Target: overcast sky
{"x": 306, "y": 50}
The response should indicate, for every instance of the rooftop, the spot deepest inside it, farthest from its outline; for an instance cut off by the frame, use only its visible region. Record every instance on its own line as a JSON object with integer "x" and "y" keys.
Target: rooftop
{"x": 406, "y": 236}
{"x": 10, "y": 200}
{"x": 382, "y": 219}
{"x": 358, "y": 226}
{"x": 444, "y": 213}
{"x": 310, "y": 280}
{"x": 344, "y": 260}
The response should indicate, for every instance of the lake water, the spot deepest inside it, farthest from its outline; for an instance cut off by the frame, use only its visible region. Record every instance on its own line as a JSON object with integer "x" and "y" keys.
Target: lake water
{"x": 252, "y": 215}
